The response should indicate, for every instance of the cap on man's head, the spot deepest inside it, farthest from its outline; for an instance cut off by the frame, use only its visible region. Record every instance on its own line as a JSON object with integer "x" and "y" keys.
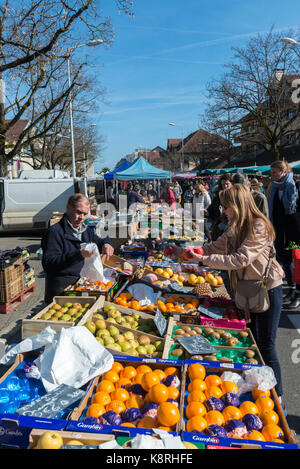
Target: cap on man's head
{"x": 240, "y": 178}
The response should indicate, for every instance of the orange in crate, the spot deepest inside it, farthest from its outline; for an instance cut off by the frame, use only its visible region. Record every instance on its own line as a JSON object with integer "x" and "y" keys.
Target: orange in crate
{"x": 214, "y": 417}
{"x": 248, "y": 407}
{"x": 264, "y": 403}
{"x": 197, "y": 423}
{"x": 141, "y": 369}
{"x": 231, "y": 412}
{"x": 196, "y": 396}
{"x": 127, "y": 424}
{"x": 147, "y": 422}
{"x": 120, "y": 394}
{"x": 116, "y": 406}
{"x": 256, "y": 393}
{"x": 149, "y": 380}
{"x": 213, "y": 380}
{"x": 173, "y": 393}
{"x": 158, "y": 393}
{"x": 123, "y": 383}
{"x": 213, "y": 391}
{"x": 135, "y": 305}
{"x": 101, "y": 397}
{"x": 160, "y": 373}
{"x": 95, "y": 410}
{"x": 272, "y": 432}
{"x": 129, "y": 372}
{"x": 161, "y": 306}
{"x": 117, "y": 367}
{"x": 112, "y": 376}
{"x": 168, "y": 414}
{"x": 195, "y": 408}
{"x": 106, "y": 386}
{"x": 135, "y": 401}
{"x": 197, "y": 385}
{"x": 196, "y": 371}
{"x": 254, "y": 435}
{"x": 269, "y": 416}
{"x": 229, "y": 386}
{"x": 171, "y": 370}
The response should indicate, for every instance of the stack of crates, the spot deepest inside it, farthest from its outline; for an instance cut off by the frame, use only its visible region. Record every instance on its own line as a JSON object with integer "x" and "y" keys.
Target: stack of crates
{"x": 11, "y": 279}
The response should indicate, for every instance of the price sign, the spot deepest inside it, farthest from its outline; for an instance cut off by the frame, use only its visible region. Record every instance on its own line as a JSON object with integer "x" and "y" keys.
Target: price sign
{"x": 196, "y": 345}
{"x": 161, "y": 323}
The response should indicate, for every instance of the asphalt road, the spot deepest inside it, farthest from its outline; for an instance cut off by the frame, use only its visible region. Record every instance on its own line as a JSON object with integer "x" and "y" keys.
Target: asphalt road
{"x": 288, "y": 339}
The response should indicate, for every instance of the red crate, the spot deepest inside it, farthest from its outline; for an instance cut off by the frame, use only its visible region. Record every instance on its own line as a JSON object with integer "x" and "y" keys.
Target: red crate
{"x": 12, "y": 304}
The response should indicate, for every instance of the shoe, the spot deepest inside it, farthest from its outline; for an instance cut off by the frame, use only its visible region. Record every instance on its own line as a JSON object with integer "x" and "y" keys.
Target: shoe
{"x": 289, "y": 296}
{"x": 294, "y": 304}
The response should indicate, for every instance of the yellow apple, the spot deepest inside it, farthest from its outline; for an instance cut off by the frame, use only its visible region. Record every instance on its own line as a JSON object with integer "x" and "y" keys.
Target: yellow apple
{"x": 50, "y": 440}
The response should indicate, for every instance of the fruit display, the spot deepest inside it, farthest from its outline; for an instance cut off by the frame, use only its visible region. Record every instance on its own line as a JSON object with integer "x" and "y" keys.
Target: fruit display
{"x": 85, "y": 285}
{"x": 138, "y": 395}
{"x": 231, "y": 346}
{"x": 124, "y": 340}
{"x": 67, "y": 312}
{"x": 136, "y": 320}
{"x": 214, "y": 407}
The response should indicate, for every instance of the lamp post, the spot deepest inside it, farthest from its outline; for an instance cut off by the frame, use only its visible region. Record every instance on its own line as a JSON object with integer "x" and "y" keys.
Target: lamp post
{"x": 93, "y": 43}
{"x": 182, "y": 149}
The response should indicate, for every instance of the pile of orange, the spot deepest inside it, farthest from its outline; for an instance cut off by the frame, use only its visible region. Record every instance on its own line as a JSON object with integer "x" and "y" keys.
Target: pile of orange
{"x": 113, "y": 393}
{"x": 201, "y": 386}
{"x": 175, "y": 303}
{"x": 126, "y": 299}
{"x": 95, "y": 286}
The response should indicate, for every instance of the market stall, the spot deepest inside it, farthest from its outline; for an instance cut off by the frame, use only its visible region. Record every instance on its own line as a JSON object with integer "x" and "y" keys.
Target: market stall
{"x": 162, "y": 359}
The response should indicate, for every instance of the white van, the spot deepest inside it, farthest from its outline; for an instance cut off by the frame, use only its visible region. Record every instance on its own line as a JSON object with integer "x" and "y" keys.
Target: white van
{"x": 28, "y": 204}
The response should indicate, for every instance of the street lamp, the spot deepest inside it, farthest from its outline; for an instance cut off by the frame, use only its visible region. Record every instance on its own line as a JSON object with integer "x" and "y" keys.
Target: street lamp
{"x": 290, "y": 41}
{"x": 93, "y": 43}
{"x": 182, "y": 149}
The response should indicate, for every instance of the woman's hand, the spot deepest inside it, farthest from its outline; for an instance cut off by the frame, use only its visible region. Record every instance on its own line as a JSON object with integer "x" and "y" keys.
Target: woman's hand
{"x": 194, "y": 257}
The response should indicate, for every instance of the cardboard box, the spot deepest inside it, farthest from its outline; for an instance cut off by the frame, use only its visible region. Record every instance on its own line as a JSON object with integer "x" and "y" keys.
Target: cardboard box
{"x": 289, "y": 436}
{"x": 76, "y": 421}
{"x": 36, "y": 324}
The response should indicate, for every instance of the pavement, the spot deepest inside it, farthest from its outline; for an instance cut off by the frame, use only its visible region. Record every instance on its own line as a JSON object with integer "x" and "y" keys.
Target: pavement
{"x": 288, "y": 337}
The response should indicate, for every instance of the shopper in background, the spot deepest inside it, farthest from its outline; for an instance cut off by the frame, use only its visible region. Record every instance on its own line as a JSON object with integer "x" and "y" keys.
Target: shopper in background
{"x": 177, "y": 192}
{"x": 200, "y": 204}
{"x": 259, "y": 198}
{"x": 188, "y": 195}
{"x": 218, "y": 219}
{"x": 282, "y": 200}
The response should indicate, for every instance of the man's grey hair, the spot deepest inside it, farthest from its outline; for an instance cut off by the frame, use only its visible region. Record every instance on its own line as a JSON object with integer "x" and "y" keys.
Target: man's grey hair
{"x": 240, "y": 178}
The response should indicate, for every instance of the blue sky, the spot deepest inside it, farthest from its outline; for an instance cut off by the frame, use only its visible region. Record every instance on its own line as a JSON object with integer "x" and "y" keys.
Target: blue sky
{"x": 158, "y": 67}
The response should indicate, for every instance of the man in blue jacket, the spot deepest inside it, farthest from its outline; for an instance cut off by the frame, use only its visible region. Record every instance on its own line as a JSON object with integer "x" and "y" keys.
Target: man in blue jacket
{"x": 63, "y": 254}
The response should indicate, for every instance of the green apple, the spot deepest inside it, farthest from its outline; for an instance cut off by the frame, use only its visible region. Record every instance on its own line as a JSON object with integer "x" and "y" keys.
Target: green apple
{"x": 119, "y": 338}
{"x": 141, "y": 350}
{"x": 100, "y": 339}
{"x": 68, "y": 305}
{"x": 109, "y": 307}
{"x": 90, "y": 325}
{"x": 100, "y": 324}
{"x": 129, "y": 335}
{"x": 159, "y": 345}
{"x": 134, "y": 343}
{"x": 150, "y": 349}
{"x": 125, "y": 346}
{"x": 66, "y": 318}
{"x": 98, "y": 316}
{"x": 136, "y": 316}
{"x": 112, "y": 320}
{"x": 113, "y": 330}
{"x": 133, "y": 352}
{"x": 102, "y": 333}
{"x": 108, "y": 341}
{"x": 115, "y": 347}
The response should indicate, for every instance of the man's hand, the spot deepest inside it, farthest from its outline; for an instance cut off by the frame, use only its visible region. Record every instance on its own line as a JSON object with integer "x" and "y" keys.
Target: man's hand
{"x": 107, "y": 249}
{"x": 85, "y": 253}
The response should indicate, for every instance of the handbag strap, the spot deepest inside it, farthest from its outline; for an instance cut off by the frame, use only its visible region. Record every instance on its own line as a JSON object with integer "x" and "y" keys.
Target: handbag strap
{"x": 267, "y": 271}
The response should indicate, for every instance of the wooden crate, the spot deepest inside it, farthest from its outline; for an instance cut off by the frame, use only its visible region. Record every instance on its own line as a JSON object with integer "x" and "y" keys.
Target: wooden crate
{"x": 92, "y": 439}
{"x": 116, "y": 262}
{"x": 35, "y": 325}
{"x": 12, "y": 289}
{"x": 78, "y": 413}
{"x": 170, "y": 343}
{"x": 11, "y": 273}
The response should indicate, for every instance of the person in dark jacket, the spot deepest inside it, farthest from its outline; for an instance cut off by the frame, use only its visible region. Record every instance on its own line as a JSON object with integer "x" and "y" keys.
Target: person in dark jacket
{"x": 63, "y": 254}
{"x": 133, "y": 197}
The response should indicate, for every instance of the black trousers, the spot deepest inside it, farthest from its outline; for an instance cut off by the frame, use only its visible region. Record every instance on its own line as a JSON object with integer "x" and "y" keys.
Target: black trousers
{"x": 56, "y": 285}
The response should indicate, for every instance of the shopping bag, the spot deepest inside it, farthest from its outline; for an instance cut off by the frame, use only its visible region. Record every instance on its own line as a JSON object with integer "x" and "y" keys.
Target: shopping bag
{"x": 92, "y": 267}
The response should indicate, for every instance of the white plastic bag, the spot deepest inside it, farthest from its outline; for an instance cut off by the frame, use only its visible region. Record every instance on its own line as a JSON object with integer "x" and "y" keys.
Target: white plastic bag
{"x": 92, "y": 267}
{"x": 143, "y": 294}
{"x": 74, "y": 359}
{"x": 45, "y": 337}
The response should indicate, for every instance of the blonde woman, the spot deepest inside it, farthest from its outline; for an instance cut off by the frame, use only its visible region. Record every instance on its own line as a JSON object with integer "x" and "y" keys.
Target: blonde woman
{"x": 244, "y": 250}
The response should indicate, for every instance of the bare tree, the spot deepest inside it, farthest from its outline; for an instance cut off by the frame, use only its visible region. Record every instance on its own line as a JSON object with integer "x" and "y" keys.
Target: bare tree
{"x": 256, "y": 93}
{"x": 36, "y": 39}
